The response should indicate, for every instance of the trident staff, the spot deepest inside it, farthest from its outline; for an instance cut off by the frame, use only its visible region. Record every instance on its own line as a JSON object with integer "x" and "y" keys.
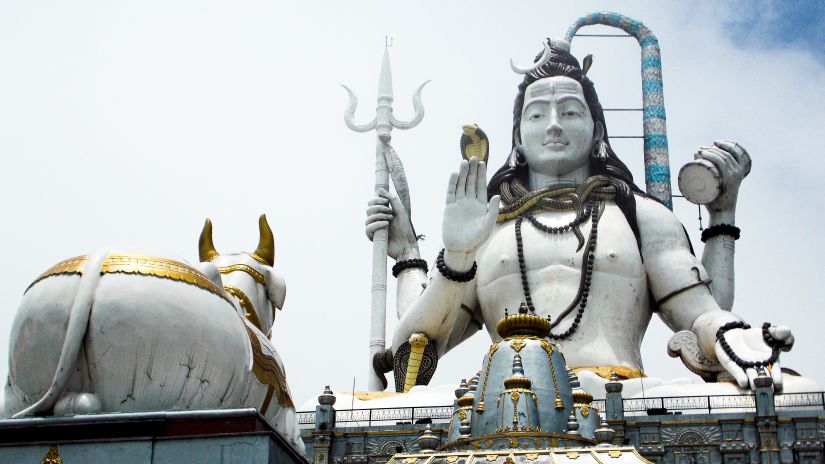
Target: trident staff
{"x": 383, "y": 123}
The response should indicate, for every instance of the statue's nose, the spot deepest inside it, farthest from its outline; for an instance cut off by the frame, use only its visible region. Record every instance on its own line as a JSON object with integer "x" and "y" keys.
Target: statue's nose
{"x": 553, "y": 123}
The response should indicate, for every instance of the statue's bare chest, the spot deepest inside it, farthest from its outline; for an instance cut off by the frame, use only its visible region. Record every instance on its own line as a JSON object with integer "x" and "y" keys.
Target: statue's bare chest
{"x": 616, "y": 250}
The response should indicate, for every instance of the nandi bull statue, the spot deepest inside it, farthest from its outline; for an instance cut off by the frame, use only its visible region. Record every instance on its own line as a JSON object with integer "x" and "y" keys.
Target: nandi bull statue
{"x": 122, "y": 332}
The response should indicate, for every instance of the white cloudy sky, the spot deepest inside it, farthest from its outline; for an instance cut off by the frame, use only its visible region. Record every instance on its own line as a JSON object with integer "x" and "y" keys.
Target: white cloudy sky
{"x": 130, "y": 122}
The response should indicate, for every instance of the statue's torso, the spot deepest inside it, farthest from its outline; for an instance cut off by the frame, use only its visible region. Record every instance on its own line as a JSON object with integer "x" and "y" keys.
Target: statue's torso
{"x": 617, "y": 312}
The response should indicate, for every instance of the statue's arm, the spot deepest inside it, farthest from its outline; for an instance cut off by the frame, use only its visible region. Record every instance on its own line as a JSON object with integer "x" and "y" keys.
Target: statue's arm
{"x": 679, "y": 285}
{"x": 468, "y": 221}
{"x": 734, "y": 163}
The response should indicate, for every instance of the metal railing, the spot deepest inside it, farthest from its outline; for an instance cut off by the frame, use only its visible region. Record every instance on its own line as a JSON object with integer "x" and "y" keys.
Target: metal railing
{"x": 631, "y": 406}
{"x": 383, "y": 416}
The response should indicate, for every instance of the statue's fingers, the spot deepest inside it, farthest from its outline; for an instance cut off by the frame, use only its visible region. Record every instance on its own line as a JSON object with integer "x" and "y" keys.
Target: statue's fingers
{"x": 378, "y": 217}
{"x": 733, "y": 369}
{"x": 783, "y": 333}
{"x": 374, "y": 209}
{"x": 776, "y": 375}
{"x": 738, "y": 151}
{"x": 472, "y": 178}
{"x": 452, "y": 184}
{"x": 373, "y": 226}
{"x": 730, "y": 160}
{"x": 492, "y": 212}
{"x": 752, "y": 375}
{"x": 460, "y": 188}
{"x": 721, "y": 164}
{"x": 481, "y": 183}
{"x": 378, "y": 201}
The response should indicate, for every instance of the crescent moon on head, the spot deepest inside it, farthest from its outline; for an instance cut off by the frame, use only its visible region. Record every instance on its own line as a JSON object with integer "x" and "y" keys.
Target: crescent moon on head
{"x": 545, "y": 57}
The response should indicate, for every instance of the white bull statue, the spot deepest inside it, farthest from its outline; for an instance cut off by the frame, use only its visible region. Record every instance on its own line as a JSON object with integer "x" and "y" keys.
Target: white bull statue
{"x": 122, "y": 332}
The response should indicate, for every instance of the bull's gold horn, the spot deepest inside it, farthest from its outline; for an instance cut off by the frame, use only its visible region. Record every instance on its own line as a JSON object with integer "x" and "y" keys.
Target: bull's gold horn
{"x": 206, "y": 248}
{"x": 266, "y": 244}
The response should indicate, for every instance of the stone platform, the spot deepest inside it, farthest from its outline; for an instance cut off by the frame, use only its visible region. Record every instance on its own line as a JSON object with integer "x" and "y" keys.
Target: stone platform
{"x": 203, "y": 437}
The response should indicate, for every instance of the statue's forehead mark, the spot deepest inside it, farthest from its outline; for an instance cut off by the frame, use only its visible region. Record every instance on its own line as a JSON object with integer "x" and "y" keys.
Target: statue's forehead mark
{"x": 539, "y": 89}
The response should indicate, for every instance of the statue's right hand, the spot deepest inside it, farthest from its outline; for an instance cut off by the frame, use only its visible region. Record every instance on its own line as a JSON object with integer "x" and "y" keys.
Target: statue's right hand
{"x": 468, "y": 217}
{"x": 386, "y": 210}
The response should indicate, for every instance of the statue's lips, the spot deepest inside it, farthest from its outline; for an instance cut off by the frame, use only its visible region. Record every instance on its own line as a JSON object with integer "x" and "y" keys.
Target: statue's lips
{"x": 555, "y": 145}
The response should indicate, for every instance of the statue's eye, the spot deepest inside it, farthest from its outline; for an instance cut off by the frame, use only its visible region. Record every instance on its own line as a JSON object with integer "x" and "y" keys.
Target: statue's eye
{"x": 571, "y": 113}
{"x": 535, "y": 116}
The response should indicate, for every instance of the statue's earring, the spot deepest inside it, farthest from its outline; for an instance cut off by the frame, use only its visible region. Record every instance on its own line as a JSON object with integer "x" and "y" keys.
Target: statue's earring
{"x": 599, "y": 151}
{"x": 521, "y": 160}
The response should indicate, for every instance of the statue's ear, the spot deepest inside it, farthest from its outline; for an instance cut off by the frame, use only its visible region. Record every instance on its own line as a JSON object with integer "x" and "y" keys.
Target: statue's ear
{"x": 598, "y": 131}
{"x": 275, "y": 289}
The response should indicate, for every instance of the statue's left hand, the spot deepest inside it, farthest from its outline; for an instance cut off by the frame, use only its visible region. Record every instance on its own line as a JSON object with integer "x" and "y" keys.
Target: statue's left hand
{"x": 733, "y": 163}
{"x": 750, "y": 346}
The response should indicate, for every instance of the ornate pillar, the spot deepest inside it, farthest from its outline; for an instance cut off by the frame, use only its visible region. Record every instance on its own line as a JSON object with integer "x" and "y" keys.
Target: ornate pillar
{"x": 766, "y": 421}
{"x": 614, "y": 408}
{"x": 324, "y": 424}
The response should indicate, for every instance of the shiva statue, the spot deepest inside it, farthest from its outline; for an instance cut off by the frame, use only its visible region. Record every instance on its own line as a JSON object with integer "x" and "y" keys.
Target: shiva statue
{"x": 562, "y": 228}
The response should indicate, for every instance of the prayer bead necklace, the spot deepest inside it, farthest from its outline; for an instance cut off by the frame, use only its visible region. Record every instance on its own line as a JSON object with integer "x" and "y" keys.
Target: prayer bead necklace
{"x": 593, "y": 211}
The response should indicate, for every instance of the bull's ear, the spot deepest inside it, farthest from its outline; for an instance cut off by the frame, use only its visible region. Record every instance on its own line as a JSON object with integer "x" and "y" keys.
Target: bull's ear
{"x": 275, "y": 289}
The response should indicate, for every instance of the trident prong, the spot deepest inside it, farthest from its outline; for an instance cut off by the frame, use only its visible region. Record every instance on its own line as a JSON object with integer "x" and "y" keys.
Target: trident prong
{"x": 419, "y": 111}
{"x": 384, "y": 121}
{"x": 349, "y": 114}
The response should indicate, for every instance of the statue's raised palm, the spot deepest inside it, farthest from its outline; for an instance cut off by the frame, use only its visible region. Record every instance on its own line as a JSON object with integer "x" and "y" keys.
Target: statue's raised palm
{"x": 468, "y": 218}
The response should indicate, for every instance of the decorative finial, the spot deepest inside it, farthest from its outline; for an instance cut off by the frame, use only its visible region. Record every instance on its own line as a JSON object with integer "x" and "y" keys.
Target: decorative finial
{"x": 604, "y": 434}
{"x": 462, "y": 389}
{"x": 464, "y": 428}
{"x": 523, "y": 308}
{"x": 518, "y": 368}
{"x": 428, "y": 442}
{"x": 572, "y": 423}
{"x": 517, "y": 380}
{"x": 327, "y": 398}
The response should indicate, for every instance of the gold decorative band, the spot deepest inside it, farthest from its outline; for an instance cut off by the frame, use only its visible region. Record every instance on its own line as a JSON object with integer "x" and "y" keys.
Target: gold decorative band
{"x": 67, "y": 266}
{"x": 622, "y": 372}
{"x": 244, "y": 268}
{"x": 246, "y": 304}
{"x": 158, "y": 267}
{"x": 138, "y": 264}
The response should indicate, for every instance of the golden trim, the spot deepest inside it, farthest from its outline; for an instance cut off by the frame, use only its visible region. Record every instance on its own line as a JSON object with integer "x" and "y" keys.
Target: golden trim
{"x": 52, "y": 457}
{"x": 258, "y": 259}
{"x": 159, "y": 267}
{"x": 548, "y": 347}
{"x": 67, "y": 266}
{"x": 493, "y": 349}
{"x": 622, "y": 372}
{"x": 268, "y": 372}
{"x": 246, "y": 305}
{"x": 614, "y": 453}
{"x": 572, "y": 455}
{"x": 517, "y": 345}
{"x": 244, "y": 268}
{"x": 523, "y": 324}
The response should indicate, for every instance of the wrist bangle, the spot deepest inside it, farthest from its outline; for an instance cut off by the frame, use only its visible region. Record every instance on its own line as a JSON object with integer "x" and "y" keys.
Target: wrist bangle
{"x": 720, "y": 229}
{"x": 409, "y": 264}
{"x": 453, "y": 275}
